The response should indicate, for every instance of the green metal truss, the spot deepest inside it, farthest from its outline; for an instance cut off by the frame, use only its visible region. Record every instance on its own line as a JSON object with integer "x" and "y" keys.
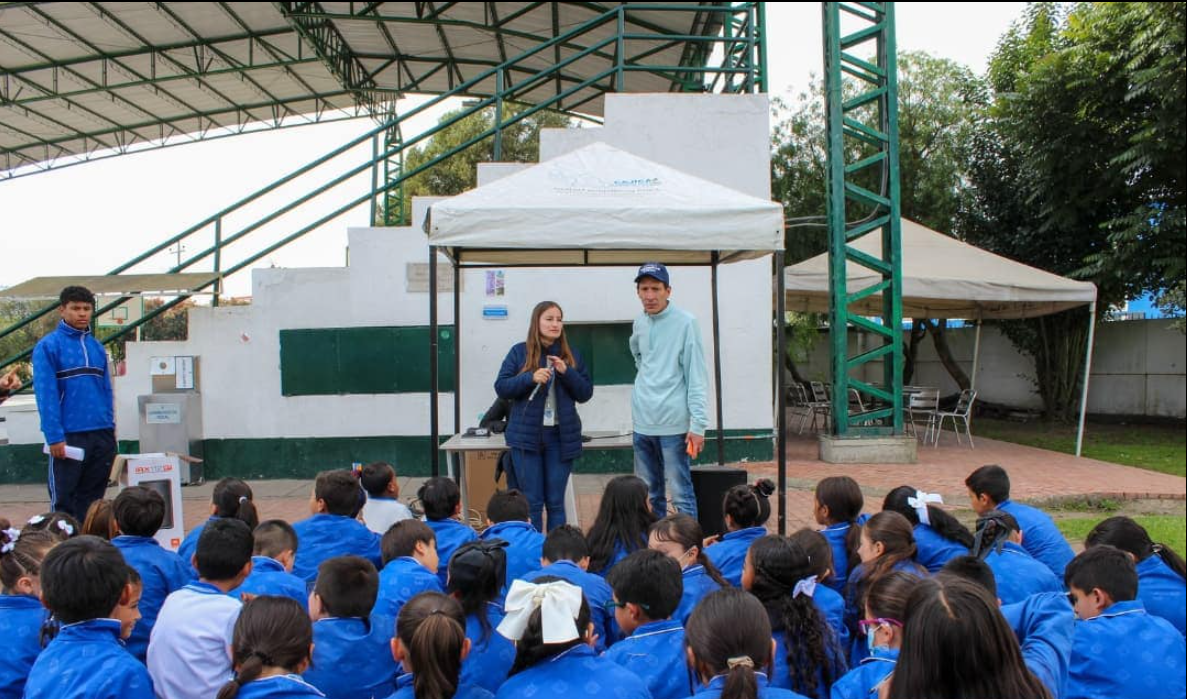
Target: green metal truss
{"x": 863, "y": 199}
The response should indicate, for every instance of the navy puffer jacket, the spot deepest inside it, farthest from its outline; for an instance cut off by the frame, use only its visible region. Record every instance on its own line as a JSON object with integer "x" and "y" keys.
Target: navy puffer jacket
{"x": 525, "y": 423}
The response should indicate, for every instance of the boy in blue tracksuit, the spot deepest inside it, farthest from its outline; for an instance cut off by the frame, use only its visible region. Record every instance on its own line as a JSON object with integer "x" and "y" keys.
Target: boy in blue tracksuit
{"x": 333, "y": 530}
{"x": 442, "y": 503}
{"x": 83, "y": 582}
{"x": 74, "y": 400}
{"x": 139, "y": 512}
{"x": 989, "y": 489}
{"x": 508, "y": 517}
{"x": 410, "y": 568}
{"x": 273, "y": 549}
{"x": 646, "y": 586}
{"x": 352, "y": 659}
{"x": 999, "y": 544}
{"x": 1118, "y": 649}
{"x": 566, "y": 556}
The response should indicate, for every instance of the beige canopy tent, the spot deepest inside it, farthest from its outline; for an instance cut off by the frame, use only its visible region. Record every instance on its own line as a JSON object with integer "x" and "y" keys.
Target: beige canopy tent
{"x": 945, "y": 278}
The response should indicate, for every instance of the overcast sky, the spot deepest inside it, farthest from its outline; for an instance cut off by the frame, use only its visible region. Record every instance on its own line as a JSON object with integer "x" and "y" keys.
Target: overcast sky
{"x": 90, "y": 218}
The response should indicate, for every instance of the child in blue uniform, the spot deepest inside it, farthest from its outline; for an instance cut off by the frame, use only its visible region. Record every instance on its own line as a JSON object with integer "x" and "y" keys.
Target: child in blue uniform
{"x": 939, "y": 537}
{"x": 885, "y": 606}
{"x": 231, "y": 498}
{"x": 620, "y": 529}
{"x": 807, "y": 657}
{"x": 647, "y": 585}
{"x": 549, "y": 620}
{"x": 1161, "y": 586}
{"x": 1018, "y": 576}
{"x": 83, "y": 581}
{"x": 272, "y": 557}
{"x": 827, "y": 600}
{"x": 21, "y": 611}
{"x": 431, "y": 636}
{"x": 730, "y": 648}
{"x": 838, "y": 509}
{"x": 383, "y": 507}
{"x": 272, "y": 642}
{"x": 1119, "y": 650}
{"x": 410, "y": 567}
{"x": 746, "y": 509}
{"x": 442, "y": 503}
{"x": 508, "y": 518}
{"x": 680, "y": 537}
{"x": 566, "y": 556}
{"x": 989, "y": 489}
{"x": 333, "y": 529}
{"x": 887, "y": 543}
{"x": 351, "y": 659}
{"x": 139, "y": 513}
{"x": 476, "y": 581}
{"x": 956, "y": 644}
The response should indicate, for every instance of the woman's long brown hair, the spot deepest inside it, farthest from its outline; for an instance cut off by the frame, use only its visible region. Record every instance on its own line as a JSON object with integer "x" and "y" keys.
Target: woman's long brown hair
{"x": 535, "y": 343}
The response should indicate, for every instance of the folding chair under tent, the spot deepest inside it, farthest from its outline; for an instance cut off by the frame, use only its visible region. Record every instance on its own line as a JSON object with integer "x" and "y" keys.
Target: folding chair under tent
{"x": 945, "y": 278}
{"x": 602, "y": 206}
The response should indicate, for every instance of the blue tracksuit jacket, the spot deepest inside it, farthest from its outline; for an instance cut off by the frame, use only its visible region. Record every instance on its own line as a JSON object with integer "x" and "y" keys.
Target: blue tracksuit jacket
{"x": 765, "y": 690}
{"x": 575, "y": 673}
{"x": 729, "y": 554}
{"x": 268, "y": 577}
{"x": 832, "y": 605}
{"x": 523, "y": 554}
{"x": 72, "y": 384}
{"x": 862, "y": 681}
{"x": 1163, "y": 592}
{"x": 451, "y": 534}
{"x": 697, "y": 584}
{"x": 88, "y": 661}
{"x": 491, "y": 654}
{"x": 278, "y": 687}
{"x": 933, "y": 550}
{"x": 405, "y": 690}
{"x": 161, "y": 572}
{"x": 400, "y": 580}
{"x": 655, "y": 653}
{"x": 1043, "y": 625}
{"x": 1019, "y": 575}
{"x": 1040, "y": 537}
{"x": 597, "y": 593}
{"x": 1125, "y": 652}
{"x": 351, "y": 659}
{"x": 325, "y": 536}
{"x": 21, "y": 617}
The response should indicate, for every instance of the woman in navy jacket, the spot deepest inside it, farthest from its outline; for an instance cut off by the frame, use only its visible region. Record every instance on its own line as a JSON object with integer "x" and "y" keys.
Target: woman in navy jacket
{"x": 545, "y": 380}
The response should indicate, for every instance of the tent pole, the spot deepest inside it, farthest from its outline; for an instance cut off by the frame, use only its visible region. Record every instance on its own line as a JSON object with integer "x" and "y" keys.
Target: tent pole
{"x": 457, "y": 348}
{"x": 976, "y": 355}
{"x": 434, "y": 427}
{"x": 717, "y": 362}
{"x": 780, "y": 395}
{"x": 1087, "y": 369}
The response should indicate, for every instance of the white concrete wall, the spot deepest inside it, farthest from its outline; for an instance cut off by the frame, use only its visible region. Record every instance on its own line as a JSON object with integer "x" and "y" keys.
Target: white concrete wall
{"x": 1137, "y": 368}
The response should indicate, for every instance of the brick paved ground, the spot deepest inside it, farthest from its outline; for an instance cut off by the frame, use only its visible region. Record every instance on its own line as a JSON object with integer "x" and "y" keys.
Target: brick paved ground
{"x": 1036, "y": 475}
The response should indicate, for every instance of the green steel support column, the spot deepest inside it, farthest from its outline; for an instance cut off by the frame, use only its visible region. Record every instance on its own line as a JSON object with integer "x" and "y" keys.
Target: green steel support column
{"x": 863, "y": 199}
{"x": 498, "y": 154}
{"x": 393, "y": 171}
{"x": 218, "y": 259}
{"x": 374, "y": 219}
{"x": 761, "y": 31}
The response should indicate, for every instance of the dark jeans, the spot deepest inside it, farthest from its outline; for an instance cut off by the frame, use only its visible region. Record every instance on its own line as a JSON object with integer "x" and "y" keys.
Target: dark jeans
{"x": 74, "y": 485}
{"x": 542, "y": 476}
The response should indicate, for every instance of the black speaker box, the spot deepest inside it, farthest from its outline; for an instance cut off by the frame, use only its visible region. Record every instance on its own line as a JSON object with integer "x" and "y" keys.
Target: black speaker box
{"x": 710, "y": 484}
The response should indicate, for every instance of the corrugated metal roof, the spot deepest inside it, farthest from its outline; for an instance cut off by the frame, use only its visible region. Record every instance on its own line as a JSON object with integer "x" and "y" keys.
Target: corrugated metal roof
{"x": 111, "y": 285}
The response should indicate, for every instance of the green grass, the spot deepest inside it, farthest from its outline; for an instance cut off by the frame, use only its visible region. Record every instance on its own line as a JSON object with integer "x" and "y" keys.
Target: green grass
{"x": 1164, "y": 529}
{"x": 1160, "y": 448}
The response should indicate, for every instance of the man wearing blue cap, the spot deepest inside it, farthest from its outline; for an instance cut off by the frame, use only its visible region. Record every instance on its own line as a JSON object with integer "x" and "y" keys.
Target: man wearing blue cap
{"x": 668, "y": 403}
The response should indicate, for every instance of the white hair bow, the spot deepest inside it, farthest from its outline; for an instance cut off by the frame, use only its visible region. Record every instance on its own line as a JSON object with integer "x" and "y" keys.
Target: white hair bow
{"x": 807, "y": 586}
{"x": 13, "y": 535}
{"x": 920, "y": 502}
{"x": 559, "y": 603}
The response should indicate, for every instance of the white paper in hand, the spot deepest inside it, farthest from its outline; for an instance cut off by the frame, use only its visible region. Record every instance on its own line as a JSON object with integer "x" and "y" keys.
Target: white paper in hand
{"x": 76, "y": 453}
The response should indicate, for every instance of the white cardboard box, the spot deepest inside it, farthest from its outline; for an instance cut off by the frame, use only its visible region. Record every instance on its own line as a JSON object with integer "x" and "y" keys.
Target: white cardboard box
{"x": 162, "y": 473}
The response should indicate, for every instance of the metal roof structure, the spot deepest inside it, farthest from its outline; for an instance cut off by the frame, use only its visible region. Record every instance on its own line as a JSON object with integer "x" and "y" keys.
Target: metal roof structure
{"x": 112, "y": 285}
{"x": 81, "y": 80}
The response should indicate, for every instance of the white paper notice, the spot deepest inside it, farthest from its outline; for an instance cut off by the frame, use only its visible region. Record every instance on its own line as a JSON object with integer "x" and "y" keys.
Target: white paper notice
{"x": 76, "y": 453}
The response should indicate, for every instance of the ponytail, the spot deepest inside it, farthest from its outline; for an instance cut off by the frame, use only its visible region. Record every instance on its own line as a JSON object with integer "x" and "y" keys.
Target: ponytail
{"x": 233, "y": 498}
{"x": 729, "y": 634}
{"x": 432, "y": 630}
{"x": 740, "y": 680}
{"x": 1131, "y": 537}
{"x": 844, "y": 500}
{"x": 271, "y": 632}
{"x": 993, "y": 529}
{"x": 939, "y": 520}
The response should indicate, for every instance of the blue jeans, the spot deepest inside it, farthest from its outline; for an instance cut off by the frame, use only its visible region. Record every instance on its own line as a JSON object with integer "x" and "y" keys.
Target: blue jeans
{"x": 662, "y": 462}
{"x": 542, "y": 476}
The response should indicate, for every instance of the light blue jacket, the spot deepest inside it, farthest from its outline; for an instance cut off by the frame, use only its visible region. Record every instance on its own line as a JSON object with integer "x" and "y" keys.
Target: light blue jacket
{"x": 671, "y": 386}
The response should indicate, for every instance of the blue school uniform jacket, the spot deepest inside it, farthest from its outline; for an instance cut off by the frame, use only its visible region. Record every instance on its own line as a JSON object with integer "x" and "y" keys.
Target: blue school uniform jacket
{"x": 451, "y": 534}
{"x": 576, "y": 673}
{"x": 781, "y": 674}
{"x": 400, "y": 580}
{"x": 88, "y": 661}
{"x": 655, "y": 653}
{"x": 1043, "y": 625}
{"x": 1040, "y": 537}
{"x": 832, "y": 605}
{"x": 1163, "y": 592}
{"x": 697, "y": 584}
{"x": 161, "y": 572}
{"x": 278, "y": 687}
{"x": 405, "y": 690}
{"x": 933, "y": 549}
{"x": 268, "y": 577}
{"x": 1125, "y": 652}
{"x": 620, "y": 552}
{"x": 491, "y": 654}
{"x": 325, "y": 536}
{"x": 525, "y": 548}
{"x": 862, "y": 681}
{"x": 596, "y": 591}
{"x": 352, "y": 659}
{"x": 72, "y": 384}
{"x": 1019, "y": 575}
{"x": 765, "y": 691}
{"x": 190, "y": 544}
{"x": 836, "y": 533}
{"x": 21, "y": 617}
{"x": 730, "y": 553}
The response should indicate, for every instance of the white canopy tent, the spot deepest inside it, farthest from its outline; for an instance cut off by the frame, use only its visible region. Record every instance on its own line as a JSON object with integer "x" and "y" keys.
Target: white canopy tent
{"x": 945, "y": 278}
{"x": 602, "y": 206}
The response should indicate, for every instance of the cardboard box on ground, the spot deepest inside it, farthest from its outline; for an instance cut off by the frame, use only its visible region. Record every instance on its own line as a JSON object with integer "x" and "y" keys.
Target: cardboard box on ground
{"x": 481, "y": 484}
